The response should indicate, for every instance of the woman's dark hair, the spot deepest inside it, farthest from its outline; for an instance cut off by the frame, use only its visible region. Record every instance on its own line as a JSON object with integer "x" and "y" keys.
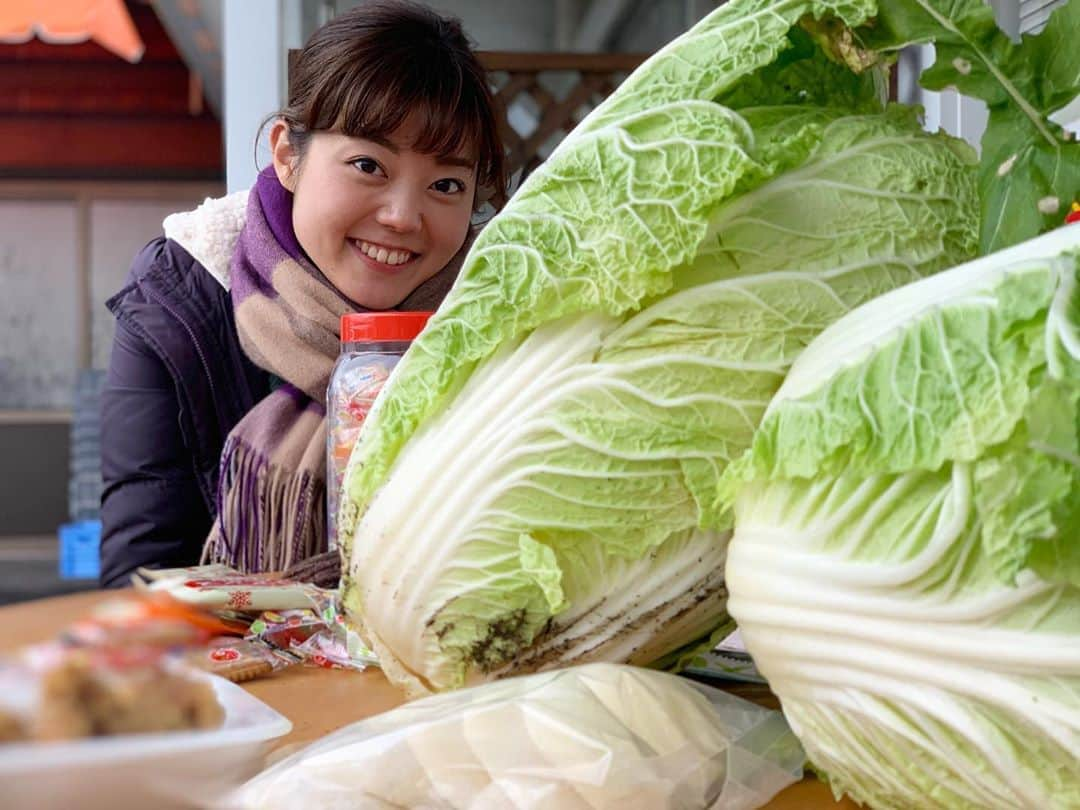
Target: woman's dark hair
{"x": 368, "y": 70}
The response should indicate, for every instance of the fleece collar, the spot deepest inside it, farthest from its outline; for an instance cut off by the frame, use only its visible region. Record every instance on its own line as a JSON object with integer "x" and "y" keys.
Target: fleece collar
{"x": 209, "y": 233}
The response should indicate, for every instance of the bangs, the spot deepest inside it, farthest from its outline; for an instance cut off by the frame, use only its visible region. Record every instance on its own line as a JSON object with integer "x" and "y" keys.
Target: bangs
{"x": 448, "y": 111}
{"x": 388, "y": 64}
{"x": 446, "y": 127}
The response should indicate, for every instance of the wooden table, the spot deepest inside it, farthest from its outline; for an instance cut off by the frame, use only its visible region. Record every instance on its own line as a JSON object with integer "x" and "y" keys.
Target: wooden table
{"x": 317, "y": 701}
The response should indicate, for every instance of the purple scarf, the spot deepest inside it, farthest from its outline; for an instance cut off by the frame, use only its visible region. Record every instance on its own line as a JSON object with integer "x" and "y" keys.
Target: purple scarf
{"x": 272, "y": 491}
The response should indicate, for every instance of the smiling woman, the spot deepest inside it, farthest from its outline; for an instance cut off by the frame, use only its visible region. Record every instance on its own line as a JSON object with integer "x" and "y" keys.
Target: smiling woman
{"x": 388, "y": 133}
{"x": 379, "y": 218}
{"x": 231, "y": 318}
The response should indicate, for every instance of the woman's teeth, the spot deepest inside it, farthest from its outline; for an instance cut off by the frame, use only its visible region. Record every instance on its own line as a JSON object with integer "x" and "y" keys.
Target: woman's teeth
{"x": 383, "y": 255}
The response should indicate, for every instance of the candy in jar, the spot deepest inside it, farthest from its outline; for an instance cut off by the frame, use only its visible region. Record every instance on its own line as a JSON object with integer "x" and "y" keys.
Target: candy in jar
{"x": 371, "y": 345}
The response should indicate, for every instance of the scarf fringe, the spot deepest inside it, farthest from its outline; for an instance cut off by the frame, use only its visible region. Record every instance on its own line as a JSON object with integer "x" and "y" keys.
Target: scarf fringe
{"x": 269, "y": 516}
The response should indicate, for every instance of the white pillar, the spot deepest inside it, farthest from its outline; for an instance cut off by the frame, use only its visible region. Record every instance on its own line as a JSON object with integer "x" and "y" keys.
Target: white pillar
{"x": 948, "y": 110}
{"x": 1007, "y": 15}
{"x": 254, "y": 57}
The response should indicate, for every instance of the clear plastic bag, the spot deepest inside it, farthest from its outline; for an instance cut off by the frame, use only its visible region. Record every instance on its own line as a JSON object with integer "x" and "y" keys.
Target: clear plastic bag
{"x": 594, "y": 736}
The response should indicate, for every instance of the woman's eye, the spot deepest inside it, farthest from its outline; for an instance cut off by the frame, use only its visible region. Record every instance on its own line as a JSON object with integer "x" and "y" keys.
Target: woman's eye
{"x": 367, "y": 165}
{"x": 448, "y": 185}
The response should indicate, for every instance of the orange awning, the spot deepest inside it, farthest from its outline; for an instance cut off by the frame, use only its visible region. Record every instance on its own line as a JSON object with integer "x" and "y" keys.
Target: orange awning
{"x": 64, "y": 21}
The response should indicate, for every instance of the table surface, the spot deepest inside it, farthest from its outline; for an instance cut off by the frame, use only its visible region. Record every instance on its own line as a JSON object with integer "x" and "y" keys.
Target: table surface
{"x": 318, "y": 701}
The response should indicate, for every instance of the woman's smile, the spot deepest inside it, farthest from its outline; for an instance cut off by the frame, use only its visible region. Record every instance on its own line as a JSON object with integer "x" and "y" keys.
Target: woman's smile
{"x": 383, "y": 258}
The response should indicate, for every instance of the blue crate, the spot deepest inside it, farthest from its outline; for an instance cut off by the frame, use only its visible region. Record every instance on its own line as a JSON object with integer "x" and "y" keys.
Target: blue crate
{"x": 79, "y": 544}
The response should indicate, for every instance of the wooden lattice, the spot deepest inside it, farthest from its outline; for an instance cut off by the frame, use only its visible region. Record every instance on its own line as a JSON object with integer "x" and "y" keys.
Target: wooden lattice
{"x": 558, "y": 89}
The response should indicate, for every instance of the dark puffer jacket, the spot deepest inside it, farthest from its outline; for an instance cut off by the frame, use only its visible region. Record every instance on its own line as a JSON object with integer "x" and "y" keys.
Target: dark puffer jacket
{"x": 178, "y": 382}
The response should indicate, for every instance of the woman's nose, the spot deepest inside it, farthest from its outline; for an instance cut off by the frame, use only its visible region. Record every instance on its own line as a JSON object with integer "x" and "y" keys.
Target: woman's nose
{"x": 399, "y": 210}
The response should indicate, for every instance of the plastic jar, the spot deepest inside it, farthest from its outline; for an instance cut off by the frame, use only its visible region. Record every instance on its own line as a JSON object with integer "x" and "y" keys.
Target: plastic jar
{"x": 371, "y": 345}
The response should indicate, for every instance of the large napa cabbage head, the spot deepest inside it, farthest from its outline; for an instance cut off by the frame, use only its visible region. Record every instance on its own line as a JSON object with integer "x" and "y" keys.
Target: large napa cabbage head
{"x": 906, "y": 564}
{"x": 537, "y": 484}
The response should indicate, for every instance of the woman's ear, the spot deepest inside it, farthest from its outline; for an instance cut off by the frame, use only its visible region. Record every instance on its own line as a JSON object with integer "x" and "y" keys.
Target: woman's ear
{"x": 284, "y": 154}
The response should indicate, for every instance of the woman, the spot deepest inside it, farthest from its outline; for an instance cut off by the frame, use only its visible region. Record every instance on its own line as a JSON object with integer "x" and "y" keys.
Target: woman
{"x": 227, "y": 330}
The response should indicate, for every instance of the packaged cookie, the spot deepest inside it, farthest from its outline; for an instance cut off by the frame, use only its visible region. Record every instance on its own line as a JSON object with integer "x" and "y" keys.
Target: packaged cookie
{"x": 250, "y": 593}
{"x": 239, "y": 660}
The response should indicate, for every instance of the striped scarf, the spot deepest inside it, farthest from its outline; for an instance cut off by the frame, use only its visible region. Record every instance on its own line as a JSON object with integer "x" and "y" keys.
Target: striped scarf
{"x": 271, "y": 499}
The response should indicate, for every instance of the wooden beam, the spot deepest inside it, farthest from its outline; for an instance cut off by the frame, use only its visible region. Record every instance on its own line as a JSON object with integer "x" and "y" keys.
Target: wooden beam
{"x": 144, "y": 147}
{"x": 97, "y": 190}
{"x": 535, "y": 61}
{"x": 524, "y": 61}
{"x": 93, "y": 87}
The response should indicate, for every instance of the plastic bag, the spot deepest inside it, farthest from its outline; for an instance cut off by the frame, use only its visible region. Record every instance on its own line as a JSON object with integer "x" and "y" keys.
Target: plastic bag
{"x": 594, "y": 736}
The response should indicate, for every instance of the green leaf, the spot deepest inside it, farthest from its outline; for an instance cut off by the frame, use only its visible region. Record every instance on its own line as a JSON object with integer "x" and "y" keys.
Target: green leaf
{"x": 720, "y": 51}
{"x": 1025, "y": 189}
{"x": 944, "y": 382}
{"x": 1025, "y": 490}
{"x": 1030, "y": 169}
{"x": 803, "y": 75}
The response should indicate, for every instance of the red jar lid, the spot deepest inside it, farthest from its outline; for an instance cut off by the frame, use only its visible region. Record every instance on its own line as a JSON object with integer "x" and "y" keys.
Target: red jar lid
{"x": 382, "y": 326}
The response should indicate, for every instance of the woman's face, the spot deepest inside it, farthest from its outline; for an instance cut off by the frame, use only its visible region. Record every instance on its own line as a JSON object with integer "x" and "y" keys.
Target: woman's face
{"x": 378, "y": 219}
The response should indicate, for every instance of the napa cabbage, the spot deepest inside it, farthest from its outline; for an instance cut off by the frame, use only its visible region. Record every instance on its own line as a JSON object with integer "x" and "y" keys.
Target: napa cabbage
{"x": 905, "y": 568}
{"x": 537, "y": 484}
